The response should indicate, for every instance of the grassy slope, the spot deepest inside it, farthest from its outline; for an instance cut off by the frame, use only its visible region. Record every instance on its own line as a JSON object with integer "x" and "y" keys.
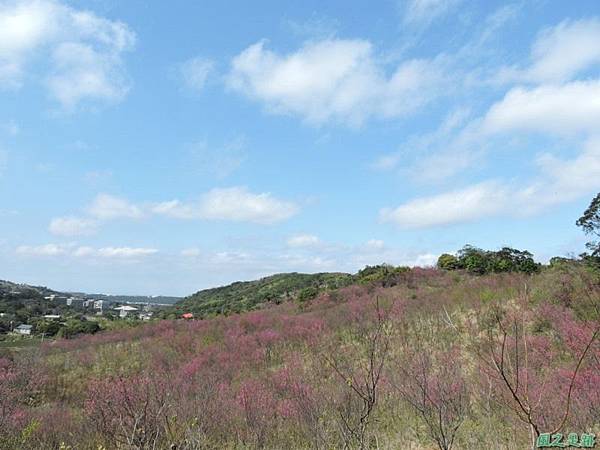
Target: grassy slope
{"x": 202, "y": 370}
{"x": 248, "y": 295}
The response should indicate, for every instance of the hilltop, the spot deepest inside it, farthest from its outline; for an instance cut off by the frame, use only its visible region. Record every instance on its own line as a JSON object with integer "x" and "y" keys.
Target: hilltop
{"x": 248, "y": 295}
{"x": 24, "y": 290}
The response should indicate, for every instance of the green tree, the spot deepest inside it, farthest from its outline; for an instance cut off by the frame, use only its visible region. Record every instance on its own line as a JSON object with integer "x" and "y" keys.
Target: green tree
{"x": 307, "y": 294}
{"x": 381, "y": 273}
{"x": 512, "y": 260}
{"x": 47, "y": 327}
{"x": 473, "y": 259}
{"x": 590, "y": 223}
{"x": 447, "y": 262}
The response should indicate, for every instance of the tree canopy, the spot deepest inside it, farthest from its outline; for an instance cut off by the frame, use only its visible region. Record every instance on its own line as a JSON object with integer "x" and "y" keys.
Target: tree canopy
{"x": 478, "y": 261}
{"x": 590, "y": 223}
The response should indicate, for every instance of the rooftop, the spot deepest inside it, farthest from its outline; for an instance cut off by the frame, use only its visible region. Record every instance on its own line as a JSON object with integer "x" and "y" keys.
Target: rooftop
{"x": 126, "y": 308}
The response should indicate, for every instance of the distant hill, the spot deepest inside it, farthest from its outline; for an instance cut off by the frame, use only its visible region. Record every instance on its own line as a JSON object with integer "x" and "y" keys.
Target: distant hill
{"x": 24, "y": 290}
{"x": 247, "y": 295}
{"x": 151, "y": 299}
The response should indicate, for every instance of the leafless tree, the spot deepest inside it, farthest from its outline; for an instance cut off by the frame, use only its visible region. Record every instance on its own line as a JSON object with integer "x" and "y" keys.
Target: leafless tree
{"x": 362, "y": 379}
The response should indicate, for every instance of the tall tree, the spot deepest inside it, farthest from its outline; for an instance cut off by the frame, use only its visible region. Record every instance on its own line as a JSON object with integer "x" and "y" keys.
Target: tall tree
{"x": 590, "y": 223}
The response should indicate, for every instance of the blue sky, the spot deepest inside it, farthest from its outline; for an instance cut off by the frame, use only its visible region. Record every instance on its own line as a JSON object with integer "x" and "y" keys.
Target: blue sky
{"x": 164, "y": 147}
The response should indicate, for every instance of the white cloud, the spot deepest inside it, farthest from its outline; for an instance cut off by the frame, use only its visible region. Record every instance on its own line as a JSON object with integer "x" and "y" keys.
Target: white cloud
{"x": 443, "y": 164}
{"x": 571, "y": 108}
{"x": 69, "y": 250}
{"x": 437, "y": 155}
{"x": 23, "y": 27}
{"x": 303, "y": 240}
{"x": 83, "y": 73}
{"x": 221, "y": 160}
{"x": 84, "y": 251}
{"x": 348, "y": 258}
{"x": 240, "y": 205}
{"x": 194, "y": 72}
{"x": 570, "y": 179}
{"x": 72, "y": 226}
{"x": 192, "y": 252}
{"x": 558, "y": 181}
{"x": 125, "y": 252}
{"x": 557, "y": 107}
{"x": 85, "y": 50}
{"x": 235, "y": 204}
{"x": 425, "y": 260}
{"x": 424, "y": 12}
{"x": 387, "y": 162}
{"x": 107, "y": 207}
{"x": 375, "y": 244}
{"x": 560, "y": 53}
{"x": 230, "y": 257}
{"x": 176, "y": 209}
{"x": 334, "y": 80}
{"x": 458, "y": 206}
{"x": 114, "y": 252}
{"x": 42, "y": 250}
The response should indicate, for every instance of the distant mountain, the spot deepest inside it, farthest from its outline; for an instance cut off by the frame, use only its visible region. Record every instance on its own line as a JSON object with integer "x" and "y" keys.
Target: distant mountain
{"x": 248, "y": 295}
{"x": 25, "y": 291}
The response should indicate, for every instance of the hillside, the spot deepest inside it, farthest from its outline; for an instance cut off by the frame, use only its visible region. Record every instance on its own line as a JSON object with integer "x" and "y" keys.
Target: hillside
{"x": 275, "y": 289}
{"x": 20, "y": 302}
{"x": 249, "y": 295}
{"x": 21, "y": 290}
{"x": 424, "y": 359}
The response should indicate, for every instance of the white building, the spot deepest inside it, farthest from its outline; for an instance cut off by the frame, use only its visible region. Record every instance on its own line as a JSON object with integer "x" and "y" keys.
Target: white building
{"x": 146, "y": 315}
{"x": 125, "y": 310}
{"x": 24, "y": 329}
{"x": 52, "y": 316}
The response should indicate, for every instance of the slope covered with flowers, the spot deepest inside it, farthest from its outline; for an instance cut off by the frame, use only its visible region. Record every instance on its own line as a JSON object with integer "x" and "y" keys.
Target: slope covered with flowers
{"x": 437, "y": 360}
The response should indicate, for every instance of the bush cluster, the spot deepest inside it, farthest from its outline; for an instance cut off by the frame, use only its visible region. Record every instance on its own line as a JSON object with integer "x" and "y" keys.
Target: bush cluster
{"x": 478, "y": 261}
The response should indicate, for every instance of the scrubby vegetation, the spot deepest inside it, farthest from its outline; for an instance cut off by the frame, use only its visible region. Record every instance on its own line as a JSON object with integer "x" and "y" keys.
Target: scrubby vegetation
{"x": 273, "y": 290}
{"x": 249, "y": 295}
{"x": 420, "y": 358}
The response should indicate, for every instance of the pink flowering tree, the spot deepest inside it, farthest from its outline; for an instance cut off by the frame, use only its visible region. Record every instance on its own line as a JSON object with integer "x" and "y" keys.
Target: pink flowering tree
{"x": 9, "y": 394}
{"x": 535, "y": 358}
{"x": 129, "y": 411}
{"x": 428, "y": 371}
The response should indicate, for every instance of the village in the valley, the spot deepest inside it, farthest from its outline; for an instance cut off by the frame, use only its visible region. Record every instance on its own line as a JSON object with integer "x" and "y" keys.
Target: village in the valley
{"x": 28, "y": 311}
